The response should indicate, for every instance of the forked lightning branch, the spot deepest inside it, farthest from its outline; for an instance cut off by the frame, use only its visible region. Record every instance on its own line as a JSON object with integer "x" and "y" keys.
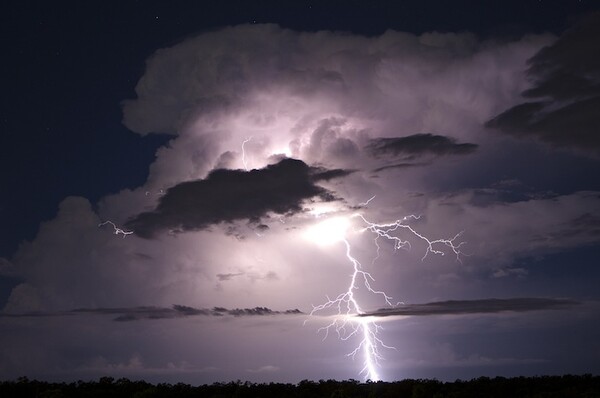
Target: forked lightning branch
{"x": 346, "y": 324}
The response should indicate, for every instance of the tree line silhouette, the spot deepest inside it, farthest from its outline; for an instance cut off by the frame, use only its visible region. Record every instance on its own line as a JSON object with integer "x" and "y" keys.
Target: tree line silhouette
{"x": 584, "y": 386}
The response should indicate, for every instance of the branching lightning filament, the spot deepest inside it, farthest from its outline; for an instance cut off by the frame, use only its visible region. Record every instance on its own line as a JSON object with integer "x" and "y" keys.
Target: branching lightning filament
{"x": 117, "y": 230}
{"x": 346, "y": 324}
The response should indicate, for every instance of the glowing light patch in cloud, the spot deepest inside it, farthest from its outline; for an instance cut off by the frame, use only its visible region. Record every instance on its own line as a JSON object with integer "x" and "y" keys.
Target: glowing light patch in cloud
{"x": 329, "y": 231}
{"x": 321, "y": 209}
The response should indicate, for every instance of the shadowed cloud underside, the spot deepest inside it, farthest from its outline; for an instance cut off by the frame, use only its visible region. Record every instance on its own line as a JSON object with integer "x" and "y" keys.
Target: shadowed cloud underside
{"x": 483, "y": 306}
{"x": 418, "y": 145}
{"x": 231, "y": 195}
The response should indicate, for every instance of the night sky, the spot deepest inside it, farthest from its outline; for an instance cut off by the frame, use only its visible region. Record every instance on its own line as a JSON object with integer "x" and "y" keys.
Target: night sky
{"x": 317, "y": 190}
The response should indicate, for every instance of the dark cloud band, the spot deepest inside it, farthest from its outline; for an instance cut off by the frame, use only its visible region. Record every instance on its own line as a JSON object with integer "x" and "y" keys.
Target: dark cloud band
{"x": 417, "y": 145}
{"x": 231, "y": 195}
{"x": 485, "y": 306}
{"x": 138, "y": 313}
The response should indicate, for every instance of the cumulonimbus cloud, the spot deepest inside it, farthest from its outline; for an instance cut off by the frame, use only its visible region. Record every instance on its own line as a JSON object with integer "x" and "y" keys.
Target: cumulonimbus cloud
{"x": 317, "y": 97}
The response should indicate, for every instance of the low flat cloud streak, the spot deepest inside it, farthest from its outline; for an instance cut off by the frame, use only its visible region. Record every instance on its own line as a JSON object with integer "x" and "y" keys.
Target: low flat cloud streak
{"x": 418, "y": 145}
{"x": 483, "y": 306}
{"x": 139, "y": 313}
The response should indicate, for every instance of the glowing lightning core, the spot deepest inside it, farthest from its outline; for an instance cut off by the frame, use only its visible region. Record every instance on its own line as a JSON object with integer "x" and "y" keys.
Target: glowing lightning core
{"x": 346, "y": 324}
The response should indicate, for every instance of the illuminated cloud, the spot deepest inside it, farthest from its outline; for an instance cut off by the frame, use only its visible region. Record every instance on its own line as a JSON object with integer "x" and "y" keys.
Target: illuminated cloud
{"x": 321, "y": 98}
{"x": 324, "y": 99}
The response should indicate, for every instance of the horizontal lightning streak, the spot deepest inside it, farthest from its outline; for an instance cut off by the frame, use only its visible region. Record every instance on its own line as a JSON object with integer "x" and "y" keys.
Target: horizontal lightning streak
{"x": 385, "y": 231}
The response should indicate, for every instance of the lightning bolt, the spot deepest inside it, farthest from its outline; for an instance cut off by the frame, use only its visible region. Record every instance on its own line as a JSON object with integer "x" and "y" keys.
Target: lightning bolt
{"x": 363, "y": 204}
{"x": 116, "y": 229}
{"x": 247, "y": 140}
{"x": 346, "y": 324}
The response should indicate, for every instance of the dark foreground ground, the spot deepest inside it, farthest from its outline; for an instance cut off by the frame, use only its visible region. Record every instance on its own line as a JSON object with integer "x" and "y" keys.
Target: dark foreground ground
{"x": 587, "y": 386}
